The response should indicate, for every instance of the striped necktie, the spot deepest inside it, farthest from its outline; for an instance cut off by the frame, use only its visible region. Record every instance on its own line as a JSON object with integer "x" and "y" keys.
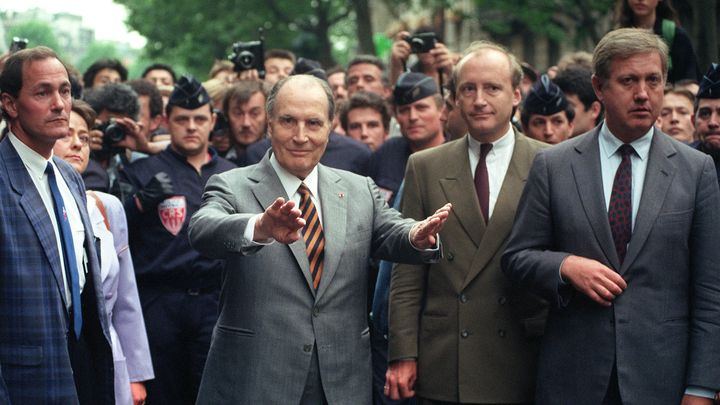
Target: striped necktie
{"x": 312, "y": 234}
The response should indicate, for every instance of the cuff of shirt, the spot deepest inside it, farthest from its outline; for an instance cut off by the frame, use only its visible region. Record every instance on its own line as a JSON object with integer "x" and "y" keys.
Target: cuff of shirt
{"x": 432, "y": 249}
{"x": 249, "y": 233}
{"x": 699, "y": 392}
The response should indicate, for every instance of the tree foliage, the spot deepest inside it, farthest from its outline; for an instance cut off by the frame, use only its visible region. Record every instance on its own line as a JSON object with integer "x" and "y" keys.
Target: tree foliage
{"x": 37, "y": 33}
{"x": 97, "y": 50}
{"x": 191, "y": 34}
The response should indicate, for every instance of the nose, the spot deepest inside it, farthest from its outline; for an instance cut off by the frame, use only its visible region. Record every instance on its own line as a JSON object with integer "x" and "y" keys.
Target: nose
{"x": 479, "y": 99}
{"x": 641, "y": 94}
{"x": 57, "y": 102}
{"x": 674, "y": 117}
{"x": 246, "y": 120}
{"x": 364, "y": 132}
{"x": 300, "y": 135}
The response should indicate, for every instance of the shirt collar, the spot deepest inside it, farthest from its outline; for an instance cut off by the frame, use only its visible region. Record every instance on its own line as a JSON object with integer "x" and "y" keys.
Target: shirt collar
{"x": 504, "y": 142}
{"x": 609, "y": 143}
{"x": 33, "y": 161}
{"x": 291, "y": 183}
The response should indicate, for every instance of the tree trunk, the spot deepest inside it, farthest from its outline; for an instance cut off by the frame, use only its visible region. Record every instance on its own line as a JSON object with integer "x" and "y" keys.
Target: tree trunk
{"x": 364, "y": 27}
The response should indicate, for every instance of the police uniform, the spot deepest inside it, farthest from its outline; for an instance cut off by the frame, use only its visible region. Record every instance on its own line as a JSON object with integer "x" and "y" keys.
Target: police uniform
{"x": 178, "y": 287}
{"x": 710, "y": 88}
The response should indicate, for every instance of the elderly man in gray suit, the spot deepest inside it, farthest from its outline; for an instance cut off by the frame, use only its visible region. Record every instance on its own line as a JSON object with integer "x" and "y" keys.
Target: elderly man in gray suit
{"x": 619, "y": 229}
{"x": 297, "y": 237}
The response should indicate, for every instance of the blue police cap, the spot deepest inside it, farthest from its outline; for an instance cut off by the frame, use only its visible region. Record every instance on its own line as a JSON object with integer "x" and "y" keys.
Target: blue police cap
{"x": 412, "y": 86}
{"x": 710, "y": 83}
{"x": 309, "y": 67}
{"x": 188, "y": 93}
{"x": 545, "y": 98}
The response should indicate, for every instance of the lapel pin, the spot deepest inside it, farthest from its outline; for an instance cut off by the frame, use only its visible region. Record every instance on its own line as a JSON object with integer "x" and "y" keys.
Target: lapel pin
{"x": 341, "y": 195}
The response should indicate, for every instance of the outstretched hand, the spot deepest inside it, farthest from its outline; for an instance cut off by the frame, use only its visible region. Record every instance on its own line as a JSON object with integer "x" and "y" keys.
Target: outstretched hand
{"x": 280, "y": 221}
{"x": 423, "y": 234}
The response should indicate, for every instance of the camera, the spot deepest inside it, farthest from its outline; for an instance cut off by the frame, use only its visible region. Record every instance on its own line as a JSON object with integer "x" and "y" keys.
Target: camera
{"x": 18, "y": 44}
{"x": 421, "y": 43}
{"x": 112, "y": 133}
{"x": 247, "y": 56}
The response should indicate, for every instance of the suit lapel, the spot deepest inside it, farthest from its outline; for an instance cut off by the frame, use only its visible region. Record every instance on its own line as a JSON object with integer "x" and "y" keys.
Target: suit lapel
{"x": 503, "y": 215}
{"x": 459, "y": 187}
{"x": 34, "y": 208}
{"x": 266, "y": 189}
{"x": 659, "y": 175}
{"x": 333, "y": 202}
{"x": 588, "y": 179}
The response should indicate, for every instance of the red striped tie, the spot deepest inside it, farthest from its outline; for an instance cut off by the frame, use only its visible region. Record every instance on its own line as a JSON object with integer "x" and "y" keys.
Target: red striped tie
{"x": 312, "y": 235}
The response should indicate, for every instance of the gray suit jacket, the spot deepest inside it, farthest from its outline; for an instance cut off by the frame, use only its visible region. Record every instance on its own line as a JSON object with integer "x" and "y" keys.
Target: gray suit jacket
{"x": 270, "y": 316}
{"x": 664, "y": 330}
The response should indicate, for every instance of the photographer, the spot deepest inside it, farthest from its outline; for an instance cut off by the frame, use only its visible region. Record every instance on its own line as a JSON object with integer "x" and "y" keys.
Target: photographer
{"x": 116, "y": 135}
{"x": 433, "y": 57}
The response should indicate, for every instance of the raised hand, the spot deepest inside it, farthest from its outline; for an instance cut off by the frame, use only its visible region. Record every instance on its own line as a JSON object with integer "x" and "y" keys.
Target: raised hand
{"x": 280, "y": 221}
{"x": 422, "y": 235}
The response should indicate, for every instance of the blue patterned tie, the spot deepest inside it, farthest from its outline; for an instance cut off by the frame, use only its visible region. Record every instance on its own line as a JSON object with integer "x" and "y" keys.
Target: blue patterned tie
{"x": 620, "y": 210}
{"x": 68, "y": 253}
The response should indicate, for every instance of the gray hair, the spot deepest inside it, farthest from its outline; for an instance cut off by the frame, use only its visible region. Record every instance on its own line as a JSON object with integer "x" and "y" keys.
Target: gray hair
{"x": 270, "y": 103}
{"x": 624, "y": 43}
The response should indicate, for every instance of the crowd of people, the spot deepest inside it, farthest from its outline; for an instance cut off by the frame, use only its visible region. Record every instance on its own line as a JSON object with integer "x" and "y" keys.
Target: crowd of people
{"x": 446, "y": 227}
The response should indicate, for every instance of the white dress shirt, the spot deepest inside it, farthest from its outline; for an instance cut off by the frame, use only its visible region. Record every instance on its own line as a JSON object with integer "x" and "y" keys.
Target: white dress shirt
{"x": 497, "y": 162}
{"x": 35, "y": 165}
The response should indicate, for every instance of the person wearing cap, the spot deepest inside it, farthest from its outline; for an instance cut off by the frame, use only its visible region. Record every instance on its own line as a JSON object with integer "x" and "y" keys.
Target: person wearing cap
{"x": 546, "y": 114}
{"x": 178, "y": 286}
{"x": 458, "y": 332}
{"x": 293, "y": 325}
{"x": 618, "y": 230}
{"x": 707, "y": 115}
{"x": 418, "y": 106}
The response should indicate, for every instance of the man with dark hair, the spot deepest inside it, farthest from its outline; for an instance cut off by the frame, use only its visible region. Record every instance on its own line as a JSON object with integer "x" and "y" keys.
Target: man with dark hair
{"x": 104, "y": 71}
{"x": 707, "y": 115}
{"x": 297, "y": 237}
{"x": 546, "y": 114}
{"x": 367, "y": 73}
{"x": 178, "y": 286}
{"x": 160, "y": 74}
{"x": 618, "y": 230}
{"x": 244, "y": 109}
{"x": 575, "y": 83}
{"x": 336, "y": 80}
{"x": 279, "y": 63}
{"x": 151, "y": 106}
{"x": 366, "y": 118}
{"x": 54, "y": 336}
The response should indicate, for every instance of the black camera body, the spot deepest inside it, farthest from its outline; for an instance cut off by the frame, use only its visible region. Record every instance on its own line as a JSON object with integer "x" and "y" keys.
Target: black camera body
{"x": 18, "y": 44}
{"x": 247, "y": 56}
{"x": 112, "y": 133}
{"x": 422, "y": 42}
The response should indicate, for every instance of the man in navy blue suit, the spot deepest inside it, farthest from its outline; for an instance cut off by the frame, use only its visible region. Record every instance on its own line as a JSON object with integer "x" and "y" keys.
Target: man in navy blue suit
{"x": 54, "y": 339}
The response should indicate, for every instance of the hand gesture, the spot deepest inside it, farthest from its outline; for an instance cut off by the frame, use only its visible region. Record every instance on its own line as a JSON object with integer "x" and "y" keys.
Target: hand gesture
{"x": 400, "y": 51}
{"x": 599, "y": 282}
{"x": 422, "y": 235}
{"x": 280, "y": 221}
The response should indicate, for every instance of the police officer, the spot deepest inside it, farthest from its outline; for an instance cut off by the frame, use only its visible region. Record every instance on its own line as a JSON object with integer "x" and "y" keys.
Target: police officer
{"x": 707, "y": 115}
{"x": 178, "y": 287}
{"x": 546, "y": 114}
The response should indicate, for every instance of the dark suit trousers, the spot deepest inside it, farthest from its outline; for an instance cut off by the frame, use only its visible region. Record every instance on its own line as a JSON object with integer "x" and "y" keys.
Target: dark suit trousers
{"x": 423, "y": 401}
{"x": 612, "y": 396}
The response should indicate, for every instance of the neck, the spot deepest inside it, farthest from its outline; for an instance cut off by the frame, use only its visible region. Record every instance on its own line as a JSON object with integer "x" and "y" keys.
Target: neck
{"x": 196, "y": 160}
{"x": 436, "y": 140}
{"x": 624, "y": 135}
{"x": 647, "y": 21}
{"x": 43, "y": 149}
{"x": 489, "y": 138}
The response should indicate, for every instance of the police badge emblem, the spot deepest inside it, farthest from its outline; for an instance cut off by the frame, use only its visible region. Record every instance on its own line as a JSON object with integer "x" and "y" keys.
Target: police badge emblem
{"x": 172, "y": 213}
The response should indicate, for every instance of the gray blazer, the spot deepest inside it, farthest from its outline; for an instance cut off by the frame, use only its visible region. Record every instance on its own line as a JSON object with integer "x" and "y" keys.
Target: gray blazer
{"x": 270, "y": 316}
{"x": 664, "y": 330}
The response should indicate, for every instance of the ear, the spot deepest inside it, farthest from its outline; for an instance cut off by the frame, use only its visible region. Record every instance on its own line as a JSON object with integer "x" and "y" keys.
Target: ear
{"x": 155, "y": 122}
{"x": 517, "y": 97}
{"x": 597, "y": 86}
{"x": 8, "y": 105}
{"x": 596, "y": 107}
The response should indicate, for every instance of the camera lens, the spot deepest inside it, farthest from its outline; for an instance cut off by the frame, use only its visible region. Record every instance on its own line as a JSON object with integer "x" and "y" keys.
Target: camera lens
{"x": 114, "y": 133}
{"x": 246, "y": 59}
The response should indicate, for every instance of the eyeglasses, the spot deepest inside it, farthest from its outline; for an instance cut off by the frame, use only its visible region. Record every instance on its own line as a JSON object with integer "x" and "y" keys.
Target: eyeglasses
{"x": 83, "y": 138}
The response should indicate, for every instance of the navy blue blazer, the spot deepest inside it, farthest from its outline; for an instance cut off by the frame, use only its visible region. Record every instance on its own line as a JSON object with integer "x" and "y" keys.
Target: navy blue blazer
{"x": 34, "y": 362}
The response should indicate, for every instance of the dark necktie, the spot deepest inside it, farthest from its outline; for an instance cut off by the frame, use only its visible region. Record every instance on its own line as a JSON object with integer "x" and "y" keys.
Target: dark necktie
{"x": 68, "y": 253}
{"x": 312, "y": 234}
{"x": 482, "y": 182}
{"x": 620, "y": 209}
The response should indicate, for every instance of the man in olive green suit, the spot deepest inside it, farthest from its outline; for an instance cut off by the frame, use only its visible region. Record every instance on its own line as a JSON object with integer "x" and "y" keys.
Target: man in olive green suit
{"x": 458, "y": 332}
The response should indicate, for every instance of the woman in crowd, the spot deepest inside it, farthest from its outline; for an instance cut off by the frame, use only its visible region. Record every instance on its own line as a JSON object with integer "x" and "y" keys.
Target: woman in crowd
{"x": 660, "y": 17}
{"x": 130, "y": 348}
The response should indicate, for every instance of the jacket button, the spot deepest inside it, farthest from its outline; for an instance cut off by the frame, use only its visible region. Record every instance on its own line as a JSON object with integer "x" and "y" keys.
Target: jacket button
{"x": 501, "y": 333}
{"x": 502, "y": 300}
{"x": 307, "y": 348}
{"x": 316, "y": 311}
{"x": 464, "y": 334}
{"x": 463, "y": 298}
{"x": 450, "y": 256}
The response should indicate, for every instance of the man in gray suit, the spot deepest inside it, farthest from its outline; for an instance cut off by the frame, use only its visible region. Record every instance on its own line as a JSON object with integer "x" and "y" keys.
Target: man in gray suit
{"x": 618, "y": 229}
{"x": 293, "y": 322}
